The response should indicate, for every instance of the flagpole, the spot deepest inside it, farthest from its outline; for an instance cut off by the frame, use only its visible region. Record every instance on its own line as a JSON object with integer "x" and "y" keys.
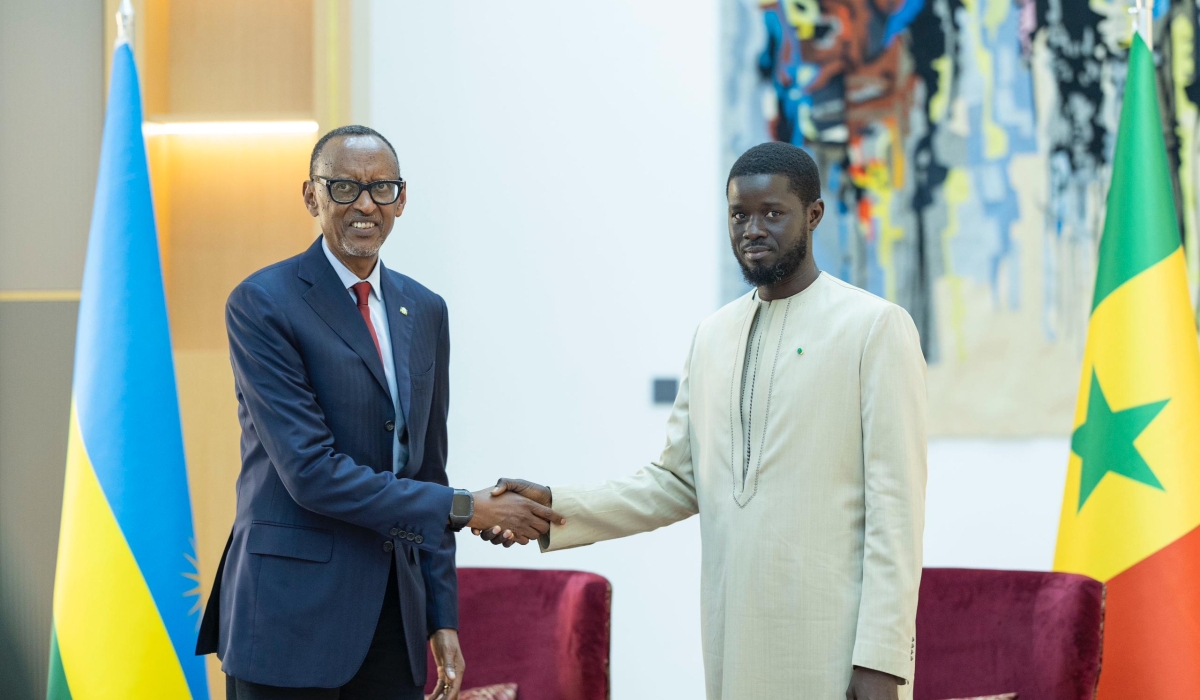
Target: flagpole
{"x": 1143, "y": 23}
{"x": 125, "y": 24}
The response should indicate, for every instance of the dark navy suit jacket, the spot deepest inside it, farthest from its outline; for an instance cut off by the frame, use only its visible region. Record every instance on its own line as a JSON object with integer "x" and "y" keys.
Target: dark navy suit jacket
{"x": 320, "y": 515}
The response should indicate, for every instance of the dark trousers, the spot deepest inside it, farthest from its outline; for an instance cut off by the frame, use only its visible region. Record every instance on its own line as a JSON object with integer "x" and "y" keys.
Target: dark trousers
{"x": 384, "y": 674}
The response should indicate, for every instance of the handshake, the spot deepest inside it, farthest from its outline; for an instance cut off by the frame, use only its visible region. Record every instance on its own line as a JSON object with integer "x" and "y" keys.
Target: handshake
{"x": 514, "y": 511}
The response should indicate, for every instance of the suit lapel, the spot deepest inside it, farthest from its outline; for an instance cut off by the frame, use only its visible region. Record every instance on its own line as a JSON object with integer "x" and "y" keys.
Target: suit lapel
{"x": 332, "y": 303}
{"x": 400, "y": 329}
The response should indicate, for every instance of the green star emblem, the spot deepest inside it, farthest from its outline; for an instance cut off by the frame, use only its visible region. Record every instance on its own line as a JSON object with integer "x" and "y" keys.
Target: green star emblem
{"x": 1105, "y": 442}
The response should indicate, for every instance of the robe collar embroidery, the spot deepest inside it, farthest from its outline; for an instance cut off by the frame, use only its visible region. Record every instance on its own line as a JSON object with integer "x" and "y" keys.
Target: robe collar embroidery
{"x": 740, "y": 444}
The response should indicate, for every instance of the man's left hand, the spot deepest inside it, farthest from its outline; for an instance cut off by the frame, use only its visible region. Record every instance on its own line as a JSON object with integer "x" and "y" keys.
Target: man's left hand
{"x": 450, "y": 665}
{"x": 869, "y": 684}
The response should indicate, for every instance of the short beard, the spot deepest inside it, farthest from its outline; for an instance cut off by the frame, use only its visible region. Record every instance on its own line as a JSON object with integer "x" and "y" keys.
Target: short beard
{"x": 786, "y": 266}
{"x": 354, "y": 251}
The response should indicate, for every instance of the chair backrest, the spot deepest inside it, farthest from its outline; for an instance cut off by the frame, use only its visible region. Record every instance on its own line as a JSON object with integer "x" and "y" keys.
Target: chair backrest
{"x": 547, "y": 631}
{"x": 983, "y": 632}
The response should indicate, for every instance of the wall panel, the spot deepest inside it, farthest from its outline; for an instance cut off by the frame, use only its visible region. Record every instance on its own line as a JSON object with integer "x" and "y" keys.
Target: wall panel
{"x": 51, "y": 114}
{"x": 231, "y": 59}
{"x": 235, "y": 206}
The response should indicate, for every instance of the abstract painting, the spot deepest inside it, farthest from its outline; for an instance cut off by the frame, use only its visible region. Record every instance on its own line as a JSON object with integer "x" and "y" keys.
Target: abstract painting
{"x": 964, "y": 148}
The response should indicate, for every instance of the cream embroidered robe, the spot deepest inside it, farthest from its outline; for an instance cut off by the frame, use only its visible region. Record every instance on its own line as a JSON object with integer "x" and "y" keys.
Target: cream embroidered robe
{"x": 811, "y": 566}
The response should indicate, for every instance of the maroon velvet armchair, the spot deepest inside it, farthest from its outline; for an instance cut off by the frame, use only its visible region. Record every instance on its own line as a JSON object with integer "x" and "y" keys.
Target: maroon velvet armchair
{"x": 546, "y": 631}
{"x": 985, "y": 632}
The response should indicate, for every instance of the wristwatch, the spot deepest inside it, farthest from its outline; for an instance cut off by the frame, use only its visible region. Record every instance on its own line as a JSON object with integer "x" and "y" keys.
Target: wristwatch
{"x": 462, "y": 509}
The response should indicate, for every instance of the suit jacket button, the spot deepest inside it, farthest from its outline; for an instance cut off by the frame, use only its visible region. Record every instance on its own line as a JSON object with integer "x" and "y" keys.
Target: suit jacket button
{"x": 401, "y": 534}
{"x": 388, "y": 546}
{"x": 410, "y": 537}
{"x": 419, "y": 539}
{"x": 395, "y": 532}
{"x": 389, "y": 426}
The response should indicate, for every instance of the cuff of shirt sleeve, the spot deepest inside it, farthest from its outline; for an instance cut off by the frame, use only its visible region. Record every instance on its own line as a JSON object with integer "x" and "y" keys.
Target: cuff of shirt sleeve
{"x": 887, "y": 659}
{"x": 442, "y": 624}
{"x": 544, "y": 540}
{"x": 564, "y": 536}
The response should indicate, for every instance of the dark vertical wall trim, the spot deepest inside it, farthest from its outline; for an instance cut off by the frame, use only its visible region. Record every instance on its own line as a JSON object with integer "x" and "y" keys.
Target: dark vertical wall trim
{"x": 37, "y": 344}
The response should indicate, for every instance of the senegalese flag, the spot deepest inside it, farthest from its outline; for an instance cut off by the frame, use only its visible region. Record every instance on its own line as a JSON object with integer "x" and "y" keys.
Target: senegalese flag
{"x": 126, "y": 594}
{"x": 1132, "y": 503}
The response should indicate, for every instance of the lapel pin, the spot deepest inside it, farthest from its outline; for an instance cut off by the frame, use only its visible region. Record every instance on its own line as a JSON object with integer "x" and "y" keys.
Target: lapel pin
{"x": 403, "y": 310}
{"x": 799, "y": 351}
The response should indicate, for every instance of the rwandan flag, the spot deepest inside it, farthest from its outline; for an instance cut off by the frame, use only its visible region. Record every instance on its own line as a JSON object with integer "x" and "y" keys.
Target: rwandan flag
{"x": 126, "y": 593}
{"x": 1132, "y": 503}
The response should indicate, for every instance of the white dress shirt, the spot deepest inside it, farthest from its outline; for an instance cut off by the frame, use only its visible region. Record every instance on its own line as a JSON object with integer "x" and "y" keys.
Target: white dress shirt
{"x": 380, "y": 321}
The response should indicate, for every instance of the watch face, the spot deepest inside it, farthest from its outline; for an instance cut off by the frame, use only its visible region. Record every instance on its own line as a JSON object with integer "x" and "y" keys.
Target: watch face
{"x": 461, "y": 507}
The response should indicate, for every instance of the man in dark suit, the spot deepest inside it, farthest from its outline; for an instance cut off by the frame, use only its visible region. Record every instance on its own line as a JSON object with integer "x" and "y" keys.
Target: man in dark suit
{"x": 340, "y": 565}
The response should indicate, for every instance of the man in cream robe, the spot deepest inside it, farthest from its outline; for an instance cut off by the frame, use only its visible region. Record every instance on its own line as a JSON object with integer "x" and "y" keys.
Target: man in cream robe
{"x": 798, "y": 435}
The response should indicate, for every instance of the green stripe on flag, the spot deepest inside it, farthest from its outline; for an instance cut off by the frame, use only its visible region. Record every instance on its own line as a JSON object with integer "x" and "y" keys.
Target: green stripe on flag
{"x": 1140, "y": 228}
{"x": 56, "y": 684}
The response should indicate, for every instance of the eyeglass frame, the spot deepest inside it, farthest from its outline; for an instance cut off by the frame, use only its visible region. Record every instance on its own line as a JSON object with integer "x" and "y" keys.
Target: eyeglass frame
{"x": 362, "y": 186}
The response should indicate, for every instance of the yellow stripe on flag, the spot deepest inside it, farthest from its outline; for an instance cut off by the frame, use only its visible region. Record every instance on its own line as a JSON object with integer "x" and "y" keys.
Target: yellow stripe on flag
{"x": 113, "y": 643}
{"x": 1142, "y": 346}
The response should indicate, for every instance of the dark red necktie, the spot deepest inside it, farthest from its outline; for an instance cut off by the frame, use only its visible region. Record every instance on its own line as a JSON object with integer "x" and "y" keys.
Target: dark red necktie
{"x": 362, "y": 291}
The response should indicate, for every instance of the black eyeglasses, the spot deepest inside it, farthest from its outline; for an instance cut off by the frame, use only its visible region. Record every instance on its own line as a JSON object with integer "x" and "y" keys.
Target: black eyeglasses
{"x": 383, "y": 192}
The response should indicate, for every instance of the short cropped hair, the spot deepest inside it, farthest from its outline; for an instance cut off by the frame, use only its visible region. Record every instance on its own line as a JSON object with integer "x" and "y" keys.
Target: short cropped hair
{"x": 780, "y": 158}
{"x": 349, "y": 130}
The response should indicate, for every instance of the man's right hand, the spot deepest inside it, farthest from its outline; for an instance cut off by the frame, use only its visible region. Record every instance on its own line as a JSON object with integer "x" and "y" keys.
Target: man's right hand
{"x": 527, "y": 489}
{"x": 520, "y": 516}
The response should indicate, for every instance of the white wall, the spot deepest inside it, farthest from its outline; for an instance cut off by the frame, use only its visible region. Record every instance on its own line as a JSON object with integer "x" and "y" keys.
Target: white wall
{"x": 994, "y": 504}
{"x": 565, "y": 197}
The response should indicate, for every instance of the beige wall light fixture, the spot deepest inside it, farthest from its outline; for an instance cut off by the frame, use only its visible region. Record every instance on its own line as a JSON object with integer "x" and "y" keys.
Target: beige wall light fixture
{"x": 228, "y": 128}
